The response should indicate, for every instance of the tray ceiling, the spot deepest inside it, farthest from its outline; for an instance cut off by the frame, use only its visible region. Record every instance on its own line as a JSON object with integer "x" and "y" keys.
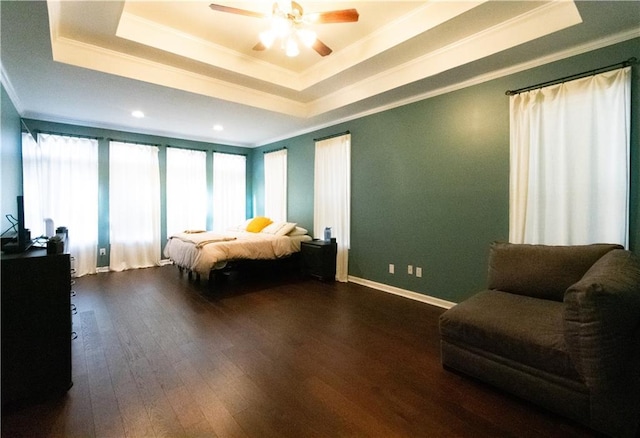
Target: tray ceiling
{"x": 206, "y": 56}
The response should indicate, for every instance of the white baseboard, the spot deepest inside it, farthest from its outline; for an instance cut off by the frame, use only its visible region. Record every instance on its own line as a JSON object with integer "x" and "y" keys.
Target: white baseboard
{"x": 163, "y": 262}
{"x": 403, "y": 293}
{"x": 438, "y": 302}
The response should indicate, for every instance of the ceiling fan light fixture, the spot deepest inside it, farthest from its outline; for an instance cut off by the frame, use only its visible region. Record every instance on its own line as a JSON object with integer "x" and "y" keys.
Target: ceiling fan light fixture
{"x": 290, "y": 26}
{"x": 280, "y": 26}
{"x": 307, "y": 37}
{"x": 291, "y": 47}
{"x": 267, "y": 38}
{"x": 284, "y": 6}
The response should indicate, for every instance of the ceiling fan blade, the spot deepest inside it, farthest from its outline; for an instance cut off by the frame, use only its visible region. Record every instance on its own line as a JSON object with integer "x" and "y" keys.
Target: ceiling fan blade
{"x": 260, "y": 46}
{"x": 321, "y": 48}
{"x": 340, "y": 16}
{"x": 294, "y": 6}
{"x": 222, "y": 8}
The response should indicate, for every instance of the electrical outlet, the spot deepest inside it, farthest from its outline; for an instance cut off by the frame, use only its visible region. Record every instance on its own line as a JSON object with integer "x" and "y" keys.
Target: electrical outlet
{"x": 410, "y": 269}
{"x": 418, "y": 272}
{"x": 103, "y": 251}
{"x": 392, "y": 268}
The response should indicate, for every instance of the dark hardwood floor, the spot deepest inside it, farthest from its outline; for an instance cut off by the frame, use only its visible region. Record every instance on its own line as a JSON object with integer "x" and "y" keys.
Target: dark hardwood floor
{"x": 262, "y": 356}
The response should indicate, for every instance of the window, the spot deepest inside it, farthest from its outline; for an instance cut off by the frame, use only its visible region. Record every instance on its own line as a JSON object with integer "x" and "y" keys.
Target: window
{"x": 332, "y": 196}
{"x": 134, "y": 206}
{"x": 61, "y": 183}
{"x": 569, "y": 179}
{"x": 229, "y": 190}
{"x": 275, "y": 185}
{"x": 186, "y": 190}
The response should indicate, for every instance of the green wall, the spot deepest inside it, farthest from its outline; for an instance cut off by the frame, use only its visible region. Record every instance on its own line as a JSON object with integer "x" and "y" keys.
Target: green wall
{"x": 105, "y": 135}
{"x": 430, "y": 180}
{"x": 10, "y": 158}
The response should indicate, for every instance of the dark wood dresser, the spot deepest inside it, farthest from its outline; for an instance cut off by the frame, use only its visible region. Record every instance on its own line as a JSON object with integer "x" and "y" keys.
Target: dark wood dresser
{"x": 36, "y": 325}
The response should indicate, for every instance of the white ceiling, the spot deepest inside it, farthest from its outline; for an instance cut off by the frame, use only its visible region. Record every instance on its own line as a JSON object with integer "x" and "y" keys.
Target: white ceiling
{"x": 188, "y": 67}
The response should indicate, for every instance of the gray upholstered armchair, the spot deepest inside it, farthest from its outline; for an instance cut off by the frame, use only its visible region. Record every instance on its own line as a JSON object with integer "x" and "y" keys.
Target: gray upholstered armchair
{"x": 559, "y": 326}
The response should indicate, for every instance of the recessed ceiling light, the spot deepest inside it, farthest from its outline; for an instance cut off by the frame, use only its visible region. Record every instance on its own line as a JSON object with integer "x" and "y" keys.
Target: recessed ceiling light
{"x": 138, "y": 114}
{"x": 218, "y": 127}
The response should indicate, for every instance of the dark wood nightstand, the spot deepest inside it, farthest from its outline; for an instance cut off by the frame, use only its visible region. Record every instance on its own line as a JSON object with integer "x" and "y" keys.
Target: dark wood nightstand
{"x": 319, "y": 258}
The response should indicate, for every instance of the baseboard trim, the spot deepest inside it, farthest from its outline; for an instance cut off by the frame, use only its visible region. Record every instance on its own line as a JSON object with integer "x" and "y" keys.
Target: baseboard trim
{"x": 163, "y": 262}
{"x": 403, "y": 292}
{"x": 427, "y": 299}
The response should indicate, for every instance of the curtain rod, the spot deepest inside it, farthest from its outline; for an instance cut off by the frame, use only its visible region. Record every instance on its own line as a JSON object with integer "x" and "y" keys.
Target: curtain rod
{"x": 25, "y": 126}
{"x": 39, "y": 131}
{"x": 138, "y": 143}
{"x": 186, "y": 148}
{"x": 275, "y": 150}
{"x": 626, "y": 63}
{"x": 230, "y": 153}
{"x": 332, "y": 136}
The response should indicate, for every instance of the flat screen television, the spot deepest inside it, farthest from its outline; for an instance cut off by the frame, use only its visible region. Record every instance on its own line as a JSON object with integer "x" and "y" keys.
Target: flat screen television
{"x": 23, "y": 238}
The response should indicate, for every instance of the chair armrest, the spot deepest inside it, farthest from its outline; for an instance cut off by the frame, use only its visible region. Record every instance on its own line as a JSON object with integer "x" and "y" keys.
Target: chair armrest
{"x": 602, "y": 320}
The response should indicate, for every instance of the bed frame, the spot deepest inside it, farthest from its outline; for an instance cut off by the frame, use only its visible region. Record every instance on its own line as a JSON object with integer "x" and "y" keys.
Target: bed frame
{"x": 284, "y": 265}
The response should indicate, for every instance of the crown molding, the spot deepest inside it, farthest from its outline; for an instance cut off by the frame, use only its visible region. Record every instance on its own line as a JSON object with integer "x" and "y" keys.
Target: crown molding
{"x": 477, "y": 80}
{"x": 531, "y": 25}
{"x": 11, "y": 92}
{"x": 518, "y": 30}
{"x": 97, "y": 58}
{"x": 168, "y": 39}
{"x": 421, "y": 20}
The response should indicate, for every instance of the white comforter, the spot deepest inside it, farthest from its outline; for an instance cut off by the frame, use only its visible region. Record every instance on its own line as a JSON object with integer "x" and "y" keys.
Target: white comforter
{"x": 202, "y": 252}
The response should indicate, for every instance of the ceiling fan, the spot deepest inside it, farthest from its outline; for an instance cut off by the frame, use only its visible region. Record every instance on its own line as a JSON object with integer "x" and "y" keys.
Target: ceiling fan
{"x": 290, "y": 25}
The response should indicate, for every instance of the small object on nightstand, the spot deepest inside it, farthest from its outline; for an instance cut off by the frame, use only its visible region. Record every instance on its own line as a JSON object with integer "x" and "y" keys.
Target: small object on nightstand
{"x": 319, "y": 258}
{"x": 55, "y": 244}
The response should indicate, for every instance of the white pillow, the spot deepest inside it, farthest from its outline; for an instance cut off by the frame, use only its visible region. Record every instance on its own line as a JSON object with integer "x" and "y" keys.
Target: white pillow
{"x": 279, "y": 228}
{"x": 290, "y": 226}
{"x": 298, "y": 231}
{"x": 272, "y": 228}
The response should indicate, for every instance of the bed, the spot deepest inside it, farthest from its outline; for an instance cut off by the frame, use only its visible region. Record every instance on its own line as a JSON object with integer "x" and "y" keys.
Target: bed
{"x": 203, "y": 253}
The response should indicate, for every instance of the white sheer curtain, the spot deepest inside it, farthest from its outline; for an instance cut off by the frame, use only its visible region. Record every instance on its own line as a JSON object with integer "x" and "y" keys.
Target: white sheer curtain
{"x": 134, "y": 206}
{"x": 332, "y": 196}
{"x": 186, "y": 190}
{"x": 569, "y": 181}
{"x": 275, "y": 185}
{"x": 60, "y": 176}
{"x": 229, "y": 190}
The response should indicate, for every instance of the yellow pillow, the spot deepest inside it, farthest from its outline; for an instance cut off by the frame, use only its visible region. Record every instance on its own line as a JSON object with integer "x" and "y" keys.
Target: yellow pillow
{"x": 258, "y": 223}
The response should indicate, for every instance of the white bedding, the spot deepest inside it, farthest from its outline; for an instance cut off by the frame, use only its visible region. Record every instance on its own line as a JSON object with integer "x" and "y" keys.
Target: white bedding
{"x": 202, "y": 252}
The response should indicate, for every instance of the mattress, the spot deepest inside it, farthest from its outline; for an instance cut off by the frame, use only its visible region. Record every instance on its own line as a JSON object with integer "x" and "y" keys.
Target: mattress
{"x": 205, "y": 251}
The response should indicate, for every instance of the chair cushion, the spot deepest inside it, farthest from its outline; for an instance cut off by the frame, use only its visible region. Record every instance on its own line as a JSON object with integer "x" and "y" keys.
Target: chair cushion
{"x": 541, "y": 271}
{"x": 522, "y": 329}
